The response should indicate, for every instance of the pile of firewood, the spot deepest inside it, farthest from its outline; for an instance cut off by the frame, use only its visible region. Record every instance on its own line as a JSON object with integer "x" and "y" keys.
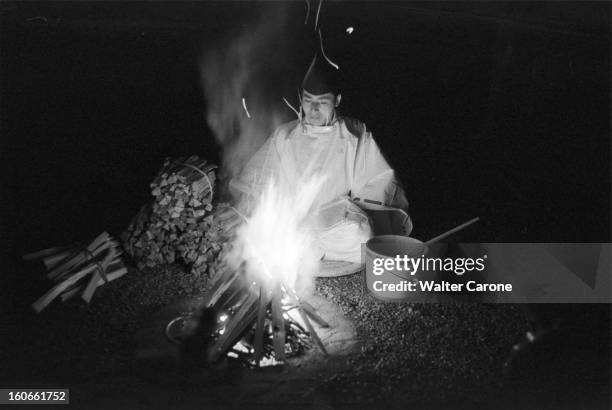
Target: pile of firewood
{"x": 79, "y": 269}
{"x": 177, "y": 226}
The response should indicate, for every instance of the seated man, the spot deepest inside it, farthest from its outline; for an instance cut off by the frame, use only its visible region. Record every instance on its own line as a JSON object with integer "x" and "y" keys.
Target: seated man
{"x": 341, "y": 149}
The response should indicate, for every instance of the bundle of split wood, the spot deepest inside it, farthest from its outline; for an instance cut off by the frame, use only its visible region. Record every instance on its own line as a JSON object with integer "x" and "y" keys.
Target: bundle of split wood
{"x": 79, "y": 269}
{"x": 177, "y": 226}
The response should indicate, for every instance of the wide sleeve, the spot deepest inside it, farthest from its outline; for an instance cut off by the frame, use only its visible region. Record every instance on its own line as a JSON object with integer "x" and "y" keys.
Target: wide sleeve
{"x": 374, "y": 180}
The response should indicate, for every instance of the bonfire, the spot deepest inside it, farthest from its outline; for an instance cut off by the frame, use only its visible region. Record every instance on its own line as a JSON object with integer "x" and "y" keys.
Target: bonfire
{"x": 262, "y": 318}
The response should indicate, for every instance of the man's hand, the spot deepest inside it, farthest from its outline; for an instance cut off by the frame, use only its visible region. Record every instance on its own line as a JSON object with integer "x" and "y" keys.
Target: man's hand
{"x": 228, "y": 219}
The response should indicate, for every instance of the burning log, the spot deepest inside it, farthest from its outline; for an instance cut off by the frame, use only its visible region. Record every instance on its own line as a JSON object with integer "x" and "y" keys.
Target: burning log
{"x": 261, "y": 318}
{"x": 259, "y": 325}
{"x": 177, "y": 226}
{"x": 79, "y": 269}
{"x": 256, "y": 324}
{"x": 278, "y": 324}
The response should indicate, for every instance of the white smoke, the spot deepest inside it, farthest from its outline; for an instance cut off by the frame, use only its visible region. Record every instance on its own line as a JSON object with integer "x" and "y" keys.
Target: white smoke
{"x": 242, "y": 77}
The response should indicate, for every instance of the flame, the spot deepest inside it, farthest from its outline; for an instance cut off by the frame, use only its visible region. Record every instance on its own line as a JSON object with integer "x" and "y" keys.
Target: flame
{"x": 277, "y": 242}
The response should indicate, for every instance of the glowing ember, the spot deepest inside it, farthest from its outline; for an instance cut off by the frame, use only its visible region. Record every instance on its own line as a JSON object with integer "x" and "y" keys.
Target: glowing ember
{"x": 241, "y": 347}
{"x": 350, "y": 30}
{"x": 268, "y": 361}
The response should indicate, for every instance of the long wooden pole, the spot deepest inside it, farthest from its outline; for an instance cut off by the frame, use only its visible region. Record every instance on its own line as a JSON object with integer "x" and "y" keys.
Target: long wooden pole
{"x": 452, "y": 231}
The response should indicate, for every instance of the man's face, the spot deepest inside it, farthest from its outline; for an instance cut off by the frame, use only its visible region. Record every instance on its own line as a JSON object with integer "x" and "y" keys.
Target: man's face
{"x": 319, "y": 109}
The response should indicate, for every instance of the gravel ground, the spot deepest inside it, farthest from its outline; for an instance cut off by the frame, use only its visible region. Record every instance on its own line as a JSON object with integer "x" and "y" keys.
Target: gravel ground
{"x": 414, "y": 352}
{"x": 424, "y": 355}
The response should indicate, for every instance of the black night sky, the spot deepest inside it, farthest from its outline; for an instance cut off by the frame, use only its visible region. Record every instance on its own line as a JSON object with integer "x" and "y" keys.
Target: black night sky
{"x": 497, "y": 110}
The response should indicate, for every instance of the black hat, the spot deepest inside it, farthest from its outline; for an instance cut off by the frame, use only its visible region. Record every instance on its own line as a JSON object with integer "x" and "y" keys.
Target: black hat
{"x": 321, "y": 77}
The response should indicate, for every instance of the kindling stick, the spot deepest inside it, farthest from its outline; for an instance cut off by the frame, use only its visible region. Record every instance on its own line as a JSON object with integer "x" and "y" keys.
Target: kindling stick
{"x": 313, "y": 334}
{"x": 278, "y": 324}
{"x": 44, "y": 253}
{"x": 259, "y": 327}
{"x": 235, "y": 326}
{"x": 310, "y": 311}
{"x": 219, "y": 288}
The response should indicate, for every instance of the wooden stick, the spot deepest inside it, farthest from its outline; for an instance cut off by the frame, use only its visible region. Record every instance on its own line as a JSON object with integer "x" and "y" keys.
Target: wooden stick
{"x": 115, "y": 273}
{"x": 311, "y": 330}
{"x": 219, "y": 289}
{"x": 63, "y": 274}
{"x": 71, "y": 293}
{"x": 236, "y": 325}
{"x": 313, "y": 334}
{"x": 48, "y": 297}
{"x": 259, "y": 326}
{"x": 80, "y": 256}
{"x": 52, "y": 261}
{"x": 97, "y": 275}
{"x": 59, "y": 288}
{"x": 310, "y": 311}
{"x": 452, "y": 231}
{"x": 278, "y": 324}
{"x": 44, "y": 253}
{"x": 234, "y": 297}
{"x": 111, "y": 276}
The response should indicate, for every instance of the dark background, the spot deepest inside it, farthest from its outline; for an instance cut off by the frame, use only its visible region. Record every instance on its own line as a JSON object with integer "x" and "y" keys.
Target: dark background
{"x": 490, "y": 109}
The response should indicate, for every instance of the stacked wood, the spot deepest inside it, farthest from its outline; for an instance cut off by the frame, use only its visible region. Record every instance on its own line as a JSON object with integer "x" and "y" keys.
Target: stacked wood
{"x": 79, "y": 269}
{"x": 177, "y": 226}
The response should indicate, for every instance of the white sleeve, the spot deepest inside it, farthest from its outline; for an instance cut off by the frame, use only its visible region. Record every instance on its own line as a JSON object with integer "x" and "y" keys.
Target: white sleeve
{"x": 374, "y": 180}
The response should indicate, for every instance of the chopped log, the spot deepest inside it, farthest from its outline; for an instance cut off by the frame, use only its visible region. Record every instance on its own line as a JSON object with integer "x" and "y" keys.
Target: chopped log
{"x": 71, "y": 293}
{"x": 72, "y": 264}
{"x": 53, "y": 260}
{"x": 310, "y": 311}
{"x": 278, "y": 324}
{"x": 80, "y": 256}
{"x": 311, "y": 330}
{"x": 234, "y": 327}
{"x": 44, "y": 253}
{"x": 111, "y": 276}
{"x": 48, "y": 297}
{"x": 264, "y": 300}
{"x": 219, "y": 288}
{"x": 93, "y": 257}
{"x": 98, "y": 275}
{"x": 178, "y": 220}
{"x": 313, "y": 334}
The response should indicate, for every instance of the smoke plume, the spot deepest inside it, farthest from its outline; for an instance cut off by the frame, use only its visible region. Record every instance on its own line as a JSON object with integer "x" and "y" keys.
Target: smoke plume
{"x": 243, "y": 83}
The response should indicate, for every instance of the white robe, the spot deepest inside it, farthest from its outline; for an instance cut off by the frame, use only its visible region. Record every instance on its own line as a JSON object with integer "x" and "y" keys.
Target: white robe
{"x": 355, "y": 170}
